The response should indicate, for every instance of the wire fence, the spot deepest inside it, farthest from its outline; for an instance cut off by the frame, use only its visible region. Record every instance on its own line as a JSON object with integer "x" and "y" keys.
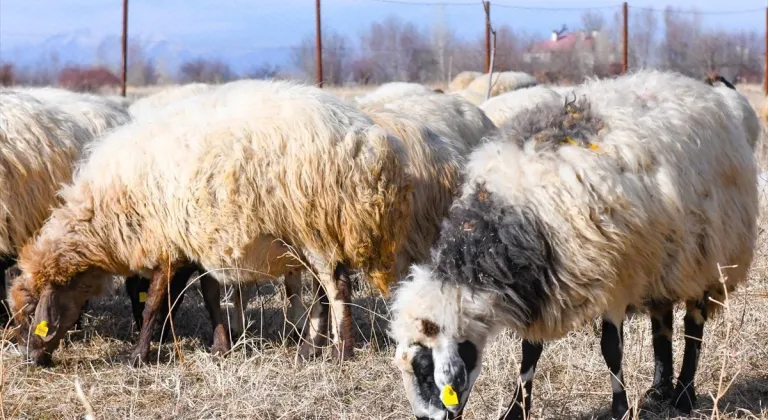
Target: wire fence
{"x": 374, "y": 41}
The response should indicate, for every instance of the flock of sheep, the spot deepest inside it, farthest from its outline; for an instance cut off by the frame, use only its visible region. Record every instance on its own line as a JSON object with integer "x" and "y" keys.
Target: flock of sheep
{"x": 539, "y": 209}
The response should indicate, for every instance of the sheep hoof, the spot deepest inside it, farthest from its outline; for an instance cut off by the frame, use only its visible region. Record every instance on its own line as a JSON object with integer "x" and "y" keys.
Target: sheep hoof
{"x": 684, "y": 398}
{"x": 219, "y": 349}
{"x": 659, "y": 392}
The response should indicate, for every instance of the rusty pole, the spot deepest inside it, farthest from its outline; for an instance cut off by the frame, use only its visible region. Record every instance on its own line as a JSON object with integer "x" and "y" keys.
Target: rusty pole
{"x": 487, "y": 8}
{"x": 319, "y": 46}
{"x": 124, "y": 64}
{"x": 765, "y": 76}
{"x": 625, "y": 39}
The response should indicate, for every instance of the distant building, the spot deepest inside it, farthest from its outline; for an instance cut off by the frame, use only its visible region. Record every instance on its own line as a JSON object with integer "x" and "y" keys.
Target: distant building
{"x": 588, "y": 49}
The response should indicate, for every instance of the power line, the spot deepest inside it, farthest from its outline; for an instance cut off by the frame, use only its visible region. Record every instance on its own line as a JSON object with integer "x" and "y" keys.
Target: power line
{"x": 412, "y": 3}
{"x": 699, "y": 12}
{"x": 512, "y": 6}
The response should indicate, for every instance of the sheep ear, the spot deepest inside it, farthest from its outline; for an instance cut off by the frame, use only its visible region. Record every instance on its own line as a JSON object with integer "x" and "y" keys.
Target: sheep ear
{"x": 47, "y": 317}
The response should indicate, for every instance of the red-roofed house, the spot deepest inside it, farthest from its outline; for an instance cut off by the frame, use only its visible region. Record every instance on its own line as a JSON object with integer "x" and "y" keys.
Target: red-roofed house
{"x": 586, "y": 46}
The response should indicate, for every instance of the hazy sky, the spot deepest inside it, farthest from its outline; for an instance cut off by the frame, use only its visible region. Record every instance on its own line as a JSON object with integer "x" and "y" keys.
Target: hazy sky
{"x": 241, "y": 24}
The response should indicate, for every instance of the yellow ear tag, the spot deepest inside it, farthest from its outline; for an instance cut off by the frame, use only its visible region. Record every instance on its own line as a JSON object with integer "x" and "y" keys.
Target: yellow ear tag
{"x": 571, "y": 141}
{"x": 593, "y": 146}
{"x": 449, "y": 396}
{"x": 142, "y": 297}
{"x": 42, "y": 329}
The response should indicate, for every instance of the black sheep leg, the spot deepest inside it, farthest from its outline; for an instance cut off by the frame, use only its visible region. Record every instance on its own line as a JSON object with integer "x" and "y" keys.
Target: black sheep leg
{"x": 6, "y": 262}
{"x": 520, "y": 407}
{"x": 661, "y": 327}
{"x": 136, "y": 285}
{"x": 695, "y": 317}
{"x": 612, "y": 343}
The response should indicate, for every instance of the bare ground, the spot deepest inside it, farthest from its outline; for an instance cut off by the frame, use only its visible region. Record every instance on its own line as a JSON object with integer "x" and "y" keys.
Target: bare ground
{"x": 262, "y": 378}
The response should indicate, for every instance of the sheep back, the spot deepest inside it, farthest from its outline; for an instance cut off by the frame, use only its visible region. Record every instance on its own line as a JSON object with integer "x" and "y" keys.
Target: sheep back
{"x": 503, "y": 107}
{"x": 634, "y": 193}
{"x": 227, "y": 177}
{"x": 463, "y": 79}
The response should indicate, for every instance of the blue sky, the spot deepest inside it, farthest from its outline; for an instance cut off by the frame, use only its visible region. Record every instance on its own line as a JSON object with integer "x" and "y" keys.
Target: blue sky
{"x": 210, "y": 25}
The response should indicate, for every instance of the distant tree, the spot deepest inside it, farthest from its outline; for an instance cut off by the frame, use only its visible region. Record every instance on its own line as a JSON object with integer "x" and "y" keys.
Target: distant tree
{"x": 205, "y": 71}
{"x": 87, "y": 79}
{"x": 7, "y": 74}
{"x": 264, "y": 71}
{"x": 336, "y": 54}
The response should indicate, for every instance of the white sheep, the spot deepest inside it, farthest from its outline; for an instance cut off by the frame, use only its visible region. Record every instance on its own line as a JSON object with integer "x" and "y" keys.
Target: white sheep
{"x": 462, "y": 80}
{"x": 246, "y": 181}
{"x": 505, "y": 106}
{"x": 473, "y": 97}
{"x": 505, "y": 81}
{"x": 456, "y": 120}
{"x": 740, "y": 106}
{"x": 634, "y": 195}
{"x": 392, "y": 91}
{"x": 42, "y": 134}
{"x": 147, "y": 106}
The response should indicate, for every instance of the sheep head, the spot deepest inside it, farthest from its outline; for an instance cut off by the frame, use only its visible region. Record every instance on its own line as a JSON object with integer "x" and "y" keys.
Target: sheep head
{"x": 440, "y": 340}
{"x": 48, "y": 295}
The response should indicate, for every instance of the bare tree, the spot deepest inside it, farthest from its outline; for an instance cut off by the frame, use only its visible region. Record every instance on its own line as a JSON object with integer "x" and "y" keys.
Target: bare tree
{"x": 642, "y": 39}
{"x": 205, "y": 71}
{"x": 336, "y": 52}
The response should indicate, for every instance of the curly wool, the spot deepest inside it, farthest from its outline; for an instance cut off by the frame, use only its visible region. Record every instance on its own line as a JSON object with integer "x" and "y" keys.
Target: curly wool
{"x": 147, "y": 106}
{"x": 273, "y": 162}
{"x": 454, "y": 119}
{"x": 502, "y": 82}
{"x": 42, "y": 134}
{"x": 463, "y": 79}
{"x": 544, "y": 239}
{"x": 434, "y": 167}
{"x": 392, "y": 91}
{"x": 505, "y": 106}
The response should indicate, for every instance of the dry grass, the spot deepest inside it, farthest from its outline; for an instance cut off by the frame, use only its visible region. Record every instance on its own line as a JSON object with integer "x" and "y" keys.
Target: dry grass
{"x": 262, "y": 378}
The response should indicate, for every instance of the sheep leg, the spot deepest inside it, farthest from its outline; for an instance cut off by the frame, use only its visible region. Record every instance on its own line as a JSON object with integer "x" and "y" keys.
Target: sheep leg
{"x": 611, "y": 344}
{"x": 340, "y": 296}
{"x": 695, "y": 317}
{"x": 135, "y": 285}
{"x": 212, "y": 297}
{"x": 521, "y": 405}
{"x": 5, "y": 313}
{"x": 157, "y": 293}
{"x": 661, "y": 327}
{"x": 239, "y": 318}
{"x": 295, "y": 311}
{"x": 317, "y": 323}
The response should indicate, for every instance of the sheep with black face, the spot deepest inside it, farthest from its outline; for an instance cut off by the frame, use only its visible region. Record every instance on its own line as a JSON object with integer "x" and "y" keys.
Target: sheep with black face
{"x": 633, "y": 196}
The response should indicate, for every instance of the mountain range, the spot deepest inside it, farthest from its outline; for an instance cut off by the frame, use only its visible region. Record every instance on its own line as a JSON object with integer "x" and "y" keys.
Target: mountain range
{"x": 81, "y": 47}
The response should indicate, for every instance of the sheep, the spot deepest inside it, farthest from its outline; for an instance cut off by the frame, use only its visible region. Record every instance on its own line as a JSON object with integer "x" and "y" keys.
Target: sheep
{"x": 505, "y": 106}
{"x": 463, "y": 79}
{"x": 457, "y": 120}
{"x": 629, "y": 197}
{"x": 392, "y": 91}
{"x": 740, "y": 106}
{"x": 147, "y": 106}
{"x": 282, "y": 174}
{"x": 473, "y": 97}
{"x": 501, "y": 82}
{"x": 42, "y": 134}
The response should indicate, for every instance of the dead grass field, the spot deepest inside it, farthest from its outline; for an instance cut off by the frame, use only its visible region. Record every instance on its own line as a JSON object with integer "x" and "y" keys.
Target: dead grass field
{"x": 262, "y": 379}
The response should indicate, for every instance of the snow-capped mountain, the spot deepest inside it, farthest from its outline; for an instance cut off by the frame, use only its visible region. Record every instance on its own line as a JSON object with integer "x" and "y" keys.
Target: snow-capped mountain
{"x": 82, "y": 47}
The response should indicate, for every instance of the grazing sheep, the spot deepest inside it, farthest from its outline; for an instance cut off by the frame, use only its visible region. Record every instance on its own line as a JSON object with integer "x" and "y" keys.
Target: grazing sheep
{"x": 240, "y": 181}
{"x": 473, "y": 97}
{"x": 456, "y": 120}
{"x": 463, "y": 79}
{"x": 42, "y": 134}
{"x": 740, "y": 106}
{"x": 504, "y": 107}
{"x": 632, "y": 196}
{"x": 391, "y": 91}
{"x": 505, "y": 81}
{"x": 149, "y": 105}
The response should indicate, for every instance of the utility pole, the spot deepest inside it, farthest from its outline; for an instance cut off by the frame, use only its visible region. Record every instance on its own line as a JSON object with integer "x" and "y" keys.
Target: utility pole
{"x": 124, "y": 75}
{"x": 625, "y": 39}
{"x": 487, "y": 8}
{"x": 319, "y": 46}
{"x": 765, "y": 76}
